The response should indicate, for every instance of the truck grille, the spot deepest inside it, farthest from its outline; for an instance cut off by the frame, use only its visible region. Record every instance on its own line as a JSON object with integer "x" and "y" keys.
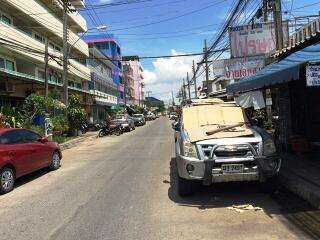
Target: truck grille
{"x": 233, "y": 151}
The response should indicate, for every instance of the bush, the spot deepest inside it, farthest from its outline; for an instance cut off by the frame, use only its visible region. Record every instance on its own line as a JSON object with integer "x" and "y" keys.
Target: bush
{"x": 262, "y": 114}
{"x": 60, "y": 125}
{"x": 13, "y": 116}
{"x": 59, "y": 139}
{"x": 75, "y": 113}
{"x": 37, "y": 129}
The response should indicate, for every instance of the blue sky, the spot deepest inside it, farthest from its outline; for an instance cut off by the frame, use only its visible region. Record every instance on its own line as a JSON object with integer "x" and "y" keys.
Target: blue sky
{"x": 185, "y": 34}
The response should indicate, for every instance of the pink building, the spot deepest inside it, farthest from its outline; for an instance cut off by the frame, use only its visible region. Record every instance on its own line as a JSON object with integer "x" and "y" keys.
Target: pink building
{"x": 137, "y": 76}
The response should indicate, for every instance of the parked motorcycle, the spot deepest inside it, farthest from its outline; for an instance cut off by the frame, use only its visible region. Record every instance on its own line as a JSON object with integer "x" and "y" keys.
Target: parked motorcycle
{"x": 111, "y": 130}
{"x": 84, "y": 128}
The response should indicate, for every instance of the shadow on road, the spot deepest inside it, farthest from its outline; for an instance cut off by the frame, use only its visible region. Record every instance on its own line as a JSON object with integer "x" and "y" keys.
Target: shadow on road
{"x": 30, "y": 177}
{"x": 221, "y": 195}
{"x": 294, "y": 212}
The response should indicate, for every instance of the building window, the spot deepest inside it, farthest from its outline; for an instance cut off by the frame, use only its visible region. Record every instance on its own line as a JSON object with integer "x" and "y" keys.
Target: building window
{"x": 10, "y": 65}
{"x": 51, "y": 45}
{"x": 102, "y": 45}
{"x": 6, "y": 20}
{"x": 54, "y": 46}
{"x": 41, "y": 74}
{"x": 71, "y": 83}
{"x": 39, "y": 38}
{"x": 2, "y": 63}
{"x": 78, "y": 85}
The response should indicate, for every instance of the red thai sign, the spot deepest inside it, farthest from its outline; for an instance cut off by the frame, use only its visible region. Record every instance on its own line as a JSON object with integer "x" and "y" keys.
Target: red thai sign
{"x": 256, "y": 39}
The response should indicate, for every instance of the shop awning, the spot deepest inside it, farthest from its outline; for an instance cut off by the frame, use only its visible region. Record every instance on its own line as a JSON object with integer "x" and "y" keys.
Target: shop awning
{"x": 285, "y": 70}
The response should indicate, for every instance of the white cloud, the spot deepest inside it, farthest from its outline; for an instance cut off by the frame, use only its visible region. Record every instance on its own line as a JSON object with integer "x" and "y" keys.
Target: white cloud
{"x": 167, "y": 75}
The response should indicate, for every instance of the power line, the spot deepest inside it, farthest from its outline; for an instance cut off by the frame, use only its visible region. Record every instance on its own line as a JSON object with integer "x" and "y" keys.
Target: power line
{"x": 119, "y": 3}
{"x": 171, "y": 18}
{"x": 143, "y": 7}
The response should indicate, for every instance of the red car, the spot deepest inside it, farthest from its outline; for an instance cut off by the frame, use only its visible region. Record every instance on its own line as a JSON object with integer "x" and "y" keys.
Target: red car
{"x": 23, "y": 151}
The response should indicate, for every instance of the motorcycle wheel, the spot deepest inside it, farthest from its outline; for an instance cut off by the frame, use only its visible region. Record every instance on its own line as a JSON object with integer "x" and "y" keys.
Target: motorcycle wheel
{"x": 102, "y": 133}
{"x": 117, "y": 132}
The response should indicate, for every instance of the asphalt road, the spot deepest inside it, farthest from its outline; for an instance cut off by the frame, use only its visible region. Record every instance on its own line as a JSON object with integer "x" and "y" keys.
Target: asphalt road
{"x": 124, "y": 188}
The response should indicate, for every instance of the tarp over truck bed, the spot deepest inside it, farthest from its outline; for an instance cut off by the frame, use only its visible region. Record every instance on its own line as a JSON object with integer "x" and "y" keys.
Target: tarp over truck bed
{"x": 203, "y": 118}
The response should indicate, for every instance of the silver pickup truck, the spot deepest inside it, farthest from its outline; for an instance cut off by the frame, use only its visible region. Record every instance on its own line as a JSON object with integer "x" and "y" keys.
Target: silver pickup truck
{"x": 215, "y": 142}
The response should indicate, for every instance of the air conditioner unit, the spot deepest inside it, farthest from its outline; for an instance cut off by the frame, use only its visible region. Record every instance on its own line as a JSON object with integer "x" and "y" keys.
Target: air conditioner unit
{"x": 7, "y": 87}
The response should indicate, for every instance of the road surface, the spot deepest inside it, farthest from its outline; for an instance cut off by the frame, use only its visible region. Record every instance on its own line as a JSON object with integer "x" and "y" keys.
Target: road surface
{"x": 124, "y": 188}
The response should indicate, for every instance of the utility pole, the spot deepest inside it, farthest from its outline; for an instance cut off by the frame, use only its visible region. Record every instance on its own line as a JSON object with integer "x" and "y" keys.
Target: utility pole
{"x": 184, "y": 91}
{"x": 173, "y": 103}
{"x": 46, "y": 59}
{"x": 277, "y": 16}
{"x": 195, "y": 80}
{"x": 188, "y": 86}
{"x": 148, "y": 93}
{"x": 265, "y": 10}
{"x": 206, "y": 66}
{"x": 65, "y": 52}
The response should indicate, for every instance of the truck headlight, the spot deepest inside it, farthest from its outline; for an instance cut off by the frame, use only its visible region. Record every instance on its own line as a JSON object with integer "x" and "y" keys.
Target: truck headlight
{"x": 190, "y": 150}
{"x": 269, "y": 148}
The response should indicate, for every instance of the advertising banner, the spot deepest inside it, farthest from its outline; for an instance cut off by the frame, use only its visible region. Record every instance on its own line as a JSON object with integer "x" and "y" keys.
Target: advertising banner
{"x": 313, "y": 76}
{"x": 237, "y": 68}
{"x": 254, "y": 39}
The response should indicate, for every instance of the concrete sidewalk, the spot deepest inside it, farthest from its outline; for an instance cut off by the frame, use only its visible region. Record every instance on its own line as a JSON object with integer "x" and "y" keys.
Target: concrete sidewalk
{"x": 301, "y": 175}
{"x": 74, "y": 142}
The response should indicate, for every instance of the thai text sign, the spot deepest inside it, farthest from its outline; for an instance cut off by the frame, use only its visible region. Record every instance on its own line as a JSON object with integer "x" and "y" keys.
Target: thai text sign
{"x": 313, "y": 76}
{"x": 237, "y": 68}
{"x": 256, "y": 39}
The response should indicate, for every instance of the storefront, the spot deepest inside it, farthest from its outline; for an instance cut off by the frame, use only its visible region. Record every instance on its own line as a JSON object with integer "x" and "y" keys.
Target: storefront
{"x": 294, "y": 94}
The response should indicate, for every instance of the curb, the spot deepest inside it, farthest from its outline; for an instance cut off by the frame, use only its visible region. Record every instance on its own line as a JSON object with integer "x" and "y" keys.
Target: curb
{"x": 74, "y": 142}
{"x": 302, "y": 187}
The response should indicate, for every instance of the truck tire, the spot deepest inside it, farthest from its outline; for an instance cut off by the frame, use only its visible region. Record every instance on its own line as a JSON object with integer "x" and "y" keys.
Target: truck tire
{"x": 185, "y": 187}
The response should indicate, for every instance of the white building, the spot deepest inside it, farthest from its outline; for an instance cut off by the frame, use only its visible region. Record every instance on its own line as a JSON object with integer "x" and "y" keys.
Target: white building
{"x": 25, "y": 27}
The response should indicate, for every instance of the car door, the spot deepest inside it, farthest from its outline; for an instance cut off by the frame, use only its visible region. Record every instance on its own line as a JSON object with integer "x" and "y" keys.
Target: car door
{"x": 14, "y": 151}
{"x": 42, "y": 152}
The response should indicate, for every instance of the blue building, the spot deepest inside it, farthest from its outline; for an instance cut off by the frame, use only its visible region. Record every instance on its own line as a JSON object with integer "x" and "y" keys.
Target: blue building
{"x": 110, "y": 47}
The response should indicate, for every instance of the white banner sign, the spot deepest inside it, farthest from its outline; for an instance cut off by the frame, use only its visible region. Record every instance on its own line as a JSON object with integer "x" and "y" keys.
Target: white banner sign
{"x": 237, "y": 68}
{"x": 252, "y": 40}
{"x": 313, "y": 76}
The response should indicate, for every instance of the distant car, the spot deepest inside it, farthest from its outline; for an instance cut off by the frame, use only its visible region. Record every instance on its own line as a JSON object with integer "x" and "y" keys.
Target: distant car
{"x": 138, "y": 119}
{"x": 150, "y": 116}
{"x": 173, "y": 116}
{"x": 125, "y": 120}
{"x": 23, "y": 151}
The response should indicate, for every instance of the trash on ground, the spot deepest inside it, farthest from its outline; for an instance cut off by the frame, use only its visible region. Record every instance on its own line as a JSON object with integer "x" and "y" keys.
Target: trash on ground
{"x": 245, "y": 207}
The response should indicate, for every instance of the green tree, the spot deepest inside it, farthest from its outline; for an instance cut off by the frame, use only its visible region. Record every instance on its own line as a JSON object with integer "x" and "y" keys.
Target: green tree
{"x": 75, "y": 113}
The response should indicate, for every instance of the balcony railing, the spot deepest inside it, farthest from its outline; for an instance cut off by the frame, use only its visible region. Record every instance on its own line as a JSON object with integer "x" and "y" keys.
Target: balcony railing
{"x": 13, "y": 34}
{"x": 51, "y": 22}
{"x": 24, "y": 76}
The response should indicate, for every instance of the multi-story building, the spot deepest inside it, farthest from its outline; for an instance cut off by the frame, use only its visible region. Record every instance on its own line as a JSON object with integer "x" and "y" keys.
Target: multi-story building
{"x": 110, "y": 47}
{"x": 101, "y": 85}
{"x": 128, "y": 79}
{"x": 26, "y": 27}
{"x": 137, "y": 75}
